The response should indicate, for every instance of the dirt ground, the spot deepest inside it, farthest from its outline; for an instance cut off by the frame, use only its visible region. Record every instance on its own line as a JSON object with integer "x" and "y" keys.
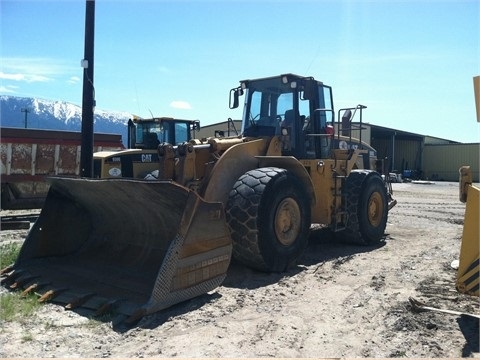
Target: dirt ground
{"x": 340, "y": 301}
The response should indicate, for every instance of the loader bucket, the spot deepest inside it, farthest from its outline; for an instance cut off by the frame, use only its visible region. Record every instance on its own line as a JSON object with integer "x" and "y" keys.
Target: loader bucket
{"x": 469, "y": 267}
{"x": 128, "y": 246}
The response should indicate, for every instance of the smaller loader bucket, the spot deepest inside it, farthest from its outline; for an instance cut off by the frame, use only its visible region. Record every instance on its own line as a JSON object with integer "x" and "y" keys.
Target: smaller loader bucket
{"x": 468, "y": 275}
{"x": 127, "y": 246}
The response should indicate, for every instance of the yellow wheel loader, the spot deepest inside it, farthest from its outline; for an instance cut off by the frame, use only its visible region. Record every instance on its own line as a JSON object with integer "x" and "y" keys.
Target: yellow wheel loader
{"x": 136, "y": 246}
{"x": 468, "y": 275}
{"x": 143, "y": 137}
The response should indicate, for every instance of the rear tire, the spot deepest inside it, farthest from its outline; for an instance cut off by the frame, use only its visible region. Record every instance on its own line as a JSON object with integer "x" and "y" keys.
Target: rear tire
{"x": 268, "y": 214}
{"x": 367, "y": 208}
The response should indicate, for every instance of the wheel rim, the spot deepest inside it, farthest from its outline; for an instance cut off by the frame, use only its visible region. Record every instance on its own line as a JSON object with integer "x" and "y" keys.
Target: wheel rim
{"x": 287, "y": 221}
{"x": 375, "y": 209}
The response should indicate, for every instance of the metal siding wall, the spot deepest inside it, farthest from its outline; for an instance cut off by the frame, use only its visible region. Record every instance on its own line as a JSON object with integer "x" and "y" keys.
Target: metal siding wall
{"x": 441, "y": 162}
{"x": 209, "y": 130}
{"x": 407, "y": 153}
{"x": 383, "y": 146}
{"x": 429, "y": 140}
{"x": 366, "y": 133}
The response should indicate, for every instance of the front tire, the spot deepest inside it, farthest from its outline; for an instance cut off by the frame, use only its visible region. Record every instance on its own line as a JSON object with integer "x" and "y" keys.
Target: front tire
{"x": 367, "y": 208}
{"x": 268, "y": 214}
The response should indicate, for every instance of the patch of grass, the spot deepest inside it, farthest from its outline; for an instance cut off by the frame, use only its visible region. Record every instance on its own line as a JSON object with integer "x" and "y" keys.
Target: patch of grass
{"x": 27, "y": 337}
{"x": 50, "y": 325}
{"x": 106, "y": 317}
{"x": 8, "y": 254}
{"x": 14, "y": 306}
{"x": 92, "y": 323}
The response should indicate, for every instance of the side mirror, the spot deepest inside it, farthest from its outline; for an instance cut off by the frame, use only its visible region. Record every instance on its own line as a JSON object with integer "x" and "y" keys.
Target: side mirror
{"x": 347, "y": 116}
{"x": 234, "y": 95}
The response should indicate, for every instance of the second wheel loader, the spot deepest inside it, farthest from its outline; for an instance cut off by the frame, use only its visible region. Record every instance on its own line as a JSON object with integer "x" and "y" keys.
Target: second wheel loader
{"x": 141, "y": 158}
{"x": 136, "y": 247}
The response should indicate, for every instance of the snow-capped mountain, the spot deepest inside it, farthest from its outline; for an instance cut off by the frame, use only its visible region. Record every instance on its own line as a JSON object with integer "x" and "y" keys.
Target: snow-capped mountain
{"x": 58, "y": 115}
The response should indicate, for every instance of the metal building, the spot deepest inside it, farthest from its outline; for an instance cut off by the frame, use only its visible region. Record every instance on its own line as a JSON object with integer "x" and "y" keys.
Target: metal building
{"x": 442, "y": 161}
{"x": 411, "y": 155}
{"x": 221, "y": 129}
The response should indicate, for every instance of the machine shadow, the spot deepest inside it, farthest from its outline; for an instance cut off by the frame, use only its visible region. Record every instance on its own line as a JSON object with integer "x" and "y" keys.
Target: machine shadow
{"x": 470, "y": 329}
{"x": 154, "y": 320}
{"x": 323, "y": 247}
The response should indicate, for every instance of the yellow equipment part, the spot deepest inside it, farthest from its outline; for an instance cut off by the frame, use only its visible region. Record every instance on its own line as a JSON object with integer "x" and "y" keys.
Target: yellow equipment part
{"x": 469, "y": 266}
{"x": 124, "y": 246}
{"x": 476, "y": 89}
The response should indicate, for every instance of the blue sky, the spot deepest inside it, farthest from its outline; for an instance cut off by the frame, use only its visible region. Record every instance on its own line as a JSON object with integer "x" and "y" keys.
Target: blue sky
{"x": 411, "y": 62}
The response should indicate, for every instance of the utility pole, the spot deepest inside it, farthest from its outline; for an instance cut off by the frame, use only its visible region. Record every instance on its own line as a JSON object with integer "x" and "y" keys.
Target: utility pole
{"x": 88, "y": 98}
{"x": 26, "y": 111}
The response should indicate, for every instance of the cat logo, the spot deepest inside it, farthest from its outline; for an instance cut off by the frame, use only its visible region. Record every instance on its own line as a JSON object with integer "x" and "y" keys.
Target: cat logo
{"x": 146, "y": 158}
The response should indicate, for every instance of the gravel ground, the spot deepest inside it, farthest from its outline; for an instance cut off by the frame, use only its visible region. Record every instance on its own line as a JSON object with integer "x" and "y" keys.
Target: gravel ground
{"x": 340, "y": 301}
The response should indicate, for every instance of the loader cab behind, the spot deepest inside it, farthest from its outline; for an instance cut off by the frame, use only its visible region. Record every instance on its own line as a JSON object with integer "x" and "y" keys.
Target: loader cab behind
{"x": 144, "y": 137}
{"x": 290, "y": 106}
{"x": 149, "y": 133}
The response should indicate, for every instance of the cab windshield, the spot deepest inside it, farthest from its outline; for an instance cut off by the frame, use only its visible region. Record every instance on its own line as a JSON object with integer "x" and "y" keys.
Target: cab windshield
{"x": 272, "y": 108}
{"x": 173, "y": 132}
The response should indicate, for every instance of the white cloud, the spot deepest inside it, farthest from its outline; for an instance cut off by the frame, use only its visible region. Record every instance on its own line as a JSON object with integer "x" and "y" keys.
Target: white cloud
{"x": 29, "y": 78}
{"x": 178, "y": 104}
{"x": 74, "y": 80}
{"x": 8, "y": 89}
{"x": 34, "y": 69}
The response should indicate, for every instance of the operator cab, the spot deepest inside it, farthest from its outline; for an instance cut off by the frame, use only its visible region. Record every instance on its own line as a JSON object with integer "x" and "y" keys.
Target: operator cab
{"x": 149, "y": 133}
{"x": 298, "y": 109}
